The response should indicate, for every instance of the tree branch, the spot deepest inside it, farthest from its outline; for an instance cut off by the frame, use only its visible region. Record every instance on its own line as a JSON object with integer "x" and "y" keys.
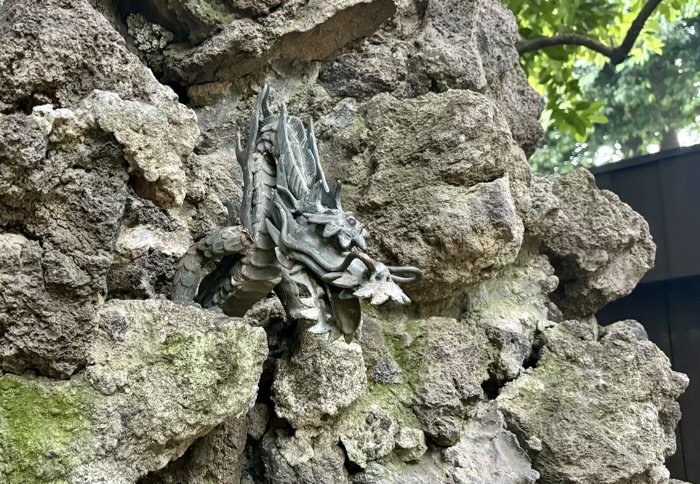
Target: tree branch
{"x": 616, "y": 54}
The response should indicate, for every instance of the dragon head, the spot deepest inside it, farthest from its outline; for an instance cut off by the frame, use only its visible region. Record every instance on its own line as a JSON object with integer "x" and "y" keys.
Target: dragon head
{"x": 349, "y": 231}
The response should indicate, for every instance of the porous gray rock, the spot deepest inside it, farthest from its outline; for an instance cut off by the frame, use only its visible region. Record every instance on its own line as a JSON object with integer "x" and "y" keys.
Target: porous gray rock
{"x": 298, "y": 31}
{"x": 148, "y": 37}
{"x": 60, "y": 51}
{"x": 216, "y": 457}
{"x": 68, "y": 152}
{"x": 487, "y": 453}
{"x": 510, "y": 308}
{"x": 599, "y": 247}
{"x": 318, "y": 381}
{"x": 410, "y": 444}
{"x": 62, "y": 194}
{"x": 157, "y": 138}
{"x": 257, "y": 420}
{"x": 439, "y": 190}
{"x": 441, "y": 45}
{"x": 369, "y": 437}
{"x": 628, "y": 390}
{"x": 148, "y": 247}
{"x": 444, "y": 363}
{"x": 304, "y": 458}
{"x": 159, "y": 376}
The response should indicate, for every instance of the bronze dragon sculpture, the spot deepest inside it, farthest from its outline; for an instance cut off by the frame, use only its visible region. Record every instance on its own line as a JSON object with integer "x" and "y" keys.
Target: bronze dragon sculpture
{"x": 294, "y": 238}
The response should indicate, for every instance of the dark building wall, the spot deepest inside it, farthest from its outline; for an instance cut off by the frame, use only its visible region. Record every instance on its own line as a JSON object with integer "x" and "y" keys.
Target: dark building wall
{"x": 665, "y": 189}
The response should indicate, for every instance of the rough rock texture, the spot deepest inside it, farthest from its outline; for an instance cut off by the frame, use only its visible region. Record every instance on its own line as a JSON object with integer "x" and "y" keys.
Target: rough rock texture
{"x": 65, "y": 171}
{"x": 159, "y": 375}
{"x": 609, "y": 403}
{"x": 445, "y": 364}
{"x": 107, "y": 176}
{"x": 487, "y": 453}
{"x": 216, "y": 457}
{"x": 435, "y": 194}
{"x": 320, "y": 380}
{"x": 440, "y": 45}
{"x": 298, "y": 30}
{"x": 600, "y": 248}
{"x": 510, "y": 308}
{"x": 304, "y": 458}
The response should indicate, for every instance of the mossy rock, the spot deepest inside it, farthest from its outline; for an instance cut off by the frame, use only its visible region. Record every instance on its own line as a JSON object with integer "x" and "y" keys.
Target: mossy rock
{"x": 45, "y": 429}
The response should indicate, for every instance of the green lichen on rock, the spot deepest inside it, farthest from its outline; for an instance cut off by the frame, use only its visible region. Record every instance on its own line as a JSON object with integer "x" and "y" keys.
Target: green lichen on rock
{"x": 45, "y": 430}
{"x": 390, "y": 398}
{"x": 203, "y": 360}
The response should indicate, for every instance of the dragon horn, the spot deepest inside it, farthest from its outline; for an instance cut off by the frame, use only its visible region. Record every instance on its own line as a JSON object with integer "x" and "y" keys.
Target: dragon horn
{"x": 265, "y": 105}
{"x": 405, "y": 274}
{"x": 314, "y": 151}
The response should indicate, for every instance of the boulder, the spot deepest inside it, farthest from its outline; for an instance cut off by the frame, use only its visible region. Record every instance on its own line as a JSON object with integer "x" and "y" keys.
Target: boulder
{"x": 438, "y": 180}
{"x": 487, "y": 453}
{"x": 511, "y": 308}
{"x": 318, "y": 381}
{"x": 599, "y": 247}
{"x": 158, "y": 376}
{"x": 306, "y": 457}
{"x": 297, "y": 31}
{"x": 596, "y": 410}
{"x": 216, "y": 457}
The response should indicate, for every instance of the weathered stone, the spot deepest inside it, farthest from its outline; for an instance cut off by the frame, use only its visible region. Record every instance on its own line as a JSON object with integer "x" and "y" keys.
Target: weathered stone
{"x": 386, "y": 371}
{"x": 606, "y": 406}
{"x": 216, "y": 457}
{"x": 298, "y": 31}
{"x": 156, "y": 138}
{"x": 444, "y": 362}
{"x": 599, "y": 247}
{"x": 58, "y": 51}
{"x": 410, "y": 444}
{"x": 66, "y": 189}
{"x": 441, "y": 45}
{"x": 159, "y": 376}
{"x": 150, "y": 242}
{"x": 486, "y": 454}
{"x": 62, "y": 193}
{"x": 379, "y": 423}
{"x": 439, "y": 190}
{"x": 198, "y": 19}
{"x": 305, "y": 458}
{"x": 369, "y": 437}
{"x": 258, "y": 417}
{"x": 148, "y": 37}
{"x": 506, "y": 82}
{"x": 319, "y": 381}
{"x": 509, "y": 308}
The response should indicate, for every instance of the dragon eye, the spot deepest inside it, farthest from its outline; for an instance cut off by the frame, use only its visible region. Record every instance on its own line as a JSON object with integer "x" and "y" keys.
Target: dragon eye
{"x": 352, "y": 220}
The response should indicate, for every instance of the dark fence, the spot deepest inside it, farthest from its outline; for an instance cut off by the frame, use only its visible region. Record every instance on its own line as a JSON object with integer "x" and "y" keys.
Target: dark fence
{"x": 665, "y": 189}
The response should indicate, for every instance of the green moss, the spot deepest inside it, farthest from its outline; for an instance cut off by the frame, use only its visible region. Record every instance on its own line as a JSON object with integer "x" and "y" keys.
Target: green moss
{"x": 389, "y": 398}
{"x": 395, "y": 327}
{"x": 211, "y": 13}
{"x": 45, "y": 430}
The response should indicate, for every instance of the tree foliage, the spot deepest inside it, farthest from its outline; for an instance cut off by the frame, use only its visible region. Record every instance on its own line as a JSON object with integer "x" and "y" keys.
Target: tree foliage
{"x": 646, "y": 101}
{"x": 559, "y": 37}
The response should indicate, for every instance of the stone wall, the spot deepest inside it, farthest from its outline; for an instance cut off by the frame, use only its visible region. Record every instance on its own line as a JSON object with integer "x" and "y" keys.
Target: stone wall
{"x": 117, "y": 130}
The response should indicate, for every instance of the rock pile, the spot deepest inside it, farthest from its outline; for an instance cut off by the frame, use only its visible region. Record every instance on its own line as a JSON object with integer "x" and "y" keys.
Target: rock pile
{"x": 117, "y": 130}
